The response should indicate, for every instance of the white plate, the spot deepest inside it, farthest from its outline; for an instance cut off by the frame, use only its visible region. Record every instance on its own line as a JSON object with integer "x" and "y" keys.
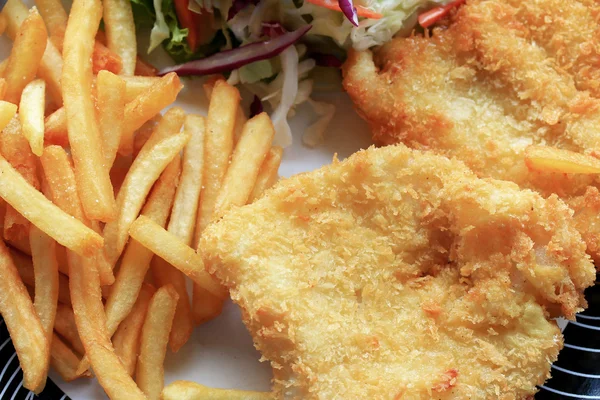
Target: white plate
{"x": 220, "y": 353}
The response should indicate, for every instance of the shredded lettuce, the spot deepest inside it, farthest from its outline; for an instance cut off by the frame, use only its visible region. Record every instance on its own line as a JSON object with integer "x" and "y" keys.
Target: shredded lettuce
{"x": 282, "y": 82}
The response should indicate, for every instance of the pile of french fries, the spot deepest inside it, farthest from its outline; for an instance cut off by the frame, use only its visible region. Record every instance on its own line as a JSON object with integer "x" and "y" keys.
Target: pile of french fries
{"x": 99, "y": 188}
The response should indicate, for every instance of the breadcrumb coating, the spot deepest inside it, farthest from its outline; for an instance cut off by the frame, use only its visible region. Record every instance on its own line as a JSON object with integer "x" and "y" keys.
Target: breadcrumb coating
{"x": 503, "y": 75}
{"x": 398, "y": 274}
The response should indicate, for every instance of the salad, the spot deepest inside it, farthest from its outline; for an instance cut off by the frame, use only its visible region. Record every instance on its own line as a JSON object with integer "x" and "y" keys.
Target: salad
{"x": 275, "y": 49}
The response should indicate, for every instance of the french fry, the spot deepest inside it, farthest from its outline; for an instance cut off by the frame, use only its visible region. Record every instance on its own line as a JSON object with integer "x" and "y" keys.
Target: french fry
{"x": 136, "y": 259}
{"x": 50, "y": 67}
{"x": 23, "y": 324}
{"x": 551, "y": 159}
{"x": 127, "y": 338}
{"x": 64, "y": 360}
{"x": 147, "y": 105}
{"x": 143, "y": 134}
{"x": 66, "y": 327}
{"x": 24, "y": 265}
{"x": 185, "y": 390}
{"x": 7, "y": 112}
{"x": 26, "y": 56}
{"x": 120, "y": 33}
{"x": 45, "y": 267}
{"x": 174, "y": 251}
{"x": 220, "y": 126}
{"x": 93, "y": 181}
{"x": 268, "y": 174}
{"x": 111, "y": 104}
{"x": 15, "y": 148}
{"x": 240, "y": 117}
{"x": 62, "y": 186}
{"x": 181, "y": 224}
{"x": 105, "y": 59}
{"x": 218, "y": 146}
{"x": 185, "y": 207}
{"x": 183, "y": 323}
{"x": 63, "y": 228}
{"x": 156, "y": 154}
{"x": 91, "y": 324}
{"x": 55, "y": 128}
{"x": 142, "y": 68}
{"x": 55, "y": 16}
{"x": 249, "y": 154}
{"x": 153, "y": 342}
{"x": 31, "y": 114}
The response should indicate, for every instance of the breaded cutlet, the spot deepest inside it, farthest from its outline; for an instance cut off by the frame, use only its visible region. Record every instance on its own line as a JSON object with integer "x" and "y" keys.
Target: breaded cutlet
{"x": 501, "y": 76}
{"x": 398, "y": 274}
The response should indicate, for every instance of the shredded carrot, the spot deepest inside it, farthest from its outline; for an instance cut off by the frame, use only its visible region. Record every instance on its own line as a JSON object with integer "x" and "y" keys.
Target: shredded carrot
{"x": 360, "y": 10}
{"x": 432, "y": 16}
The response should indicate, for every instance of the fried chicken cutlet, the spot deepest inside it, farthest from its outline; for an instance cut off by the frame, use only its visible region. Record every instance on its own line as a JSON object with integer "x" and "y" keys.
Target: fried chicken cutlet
{"x": 504, "y": 75}
{"x": 398, "y": 274}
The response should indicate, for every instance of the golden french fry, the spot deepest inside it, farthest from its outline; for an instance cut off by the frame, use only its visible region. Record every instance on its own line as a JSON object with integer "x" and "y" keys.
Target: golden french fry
{"x": 552, "y": 159}
{"x": 63, "y": 228}
{"x": 181, "y": 224}
{"x": 249, "y": 154}
{"x": 240, "y": 117}
{"x": 185, "y": 390}
{"x": 31, "y": 114}
{"x": 153, "y": 342}
{"x": 120, "y": 32}
{"x": 183, "y": 323}
{"x": 104, "y": 59}
{"x": 136, "y": 259}
{"x": 119, "y": 171}
{"x": 93, "y": 180}
{"x": 127, "y": 338}
{"x": 65, "y": 326}
{"x": 268, "y": 174}
{"x": 218, "y": 146}
{"x": 174, "y": 251}
{"x": 62, "y": 186}
{"x": 26, "y": 56}
{"x": 220, "y": 125}
{"x": 64, "y": 360}
{"x": 205, "y": 305}
{"x": 145, "y": 170}
{"x": 55, "y": 128}
{"x": 185, "y": 207}
{"x": 91, "y": 324}
{"x": 23, "y": 324}
{"x": 45, "y": 267}
{"x": 55, "y": 16}
{"x": 24, "y": 265}
{"x": 50, "y": 67}
{"x": 111, "y": 105}
{"x": 7, "y": 112}
{"x": 147, "y": 105}
{"x": 50, "y": 70}
{"x": 15, "y": 148}
{"x": 142, "y": 68}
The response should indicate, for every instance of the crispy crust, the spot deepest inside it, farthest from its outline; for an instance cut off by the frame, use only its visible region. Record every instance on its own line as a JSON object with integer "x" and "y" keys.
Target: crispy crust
{"x": 399, "y": 274}
{"x": 503, "y": 75}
